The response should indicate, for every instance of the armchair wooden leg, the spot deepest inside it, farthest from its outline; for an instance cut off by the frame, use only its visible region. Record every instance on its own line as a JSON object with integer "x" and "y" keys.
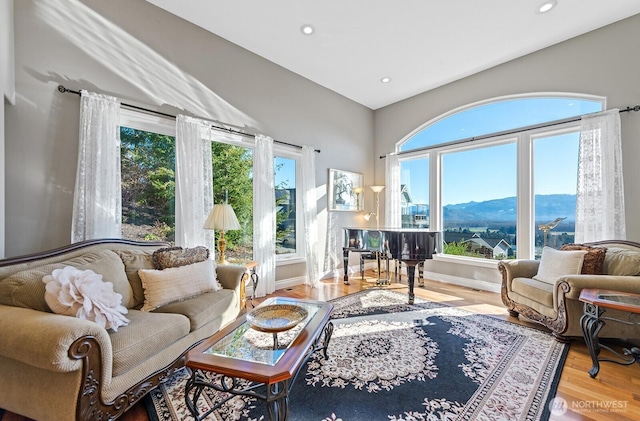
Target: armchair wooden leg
{"x": 513, "y": 313}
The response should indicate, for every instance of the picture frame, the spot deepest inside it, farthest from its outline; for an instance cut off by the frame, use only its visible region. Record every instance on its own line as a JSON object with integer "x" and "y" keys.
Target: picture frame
{"x": 346, "y": 190}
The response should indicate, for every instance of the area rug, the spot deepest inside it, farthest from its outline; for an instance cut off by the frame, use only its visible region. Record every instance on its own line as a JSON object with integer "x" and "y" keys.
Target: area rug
{"x": 392, "y": 361}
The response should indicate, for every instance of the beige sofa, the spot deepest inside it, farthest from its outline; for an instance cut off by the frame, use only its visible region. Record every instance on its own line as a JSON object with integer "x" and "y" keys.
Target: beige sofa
{"x": 556, "y": 305}
{"x": 57, "y": 367}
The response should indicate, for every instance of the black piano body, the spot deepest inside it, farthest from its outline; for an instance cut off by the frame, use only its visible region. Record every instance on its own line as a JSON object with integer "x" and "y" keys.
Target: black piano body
{"x": 411, "y": 246}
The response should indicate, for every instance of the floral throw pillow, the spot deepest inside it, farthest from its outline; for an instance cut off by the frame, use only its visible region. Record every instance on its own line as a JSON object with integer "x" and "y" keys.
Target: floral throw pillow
{"x": 172, "y": 257}
{"x": 83, "y": 294}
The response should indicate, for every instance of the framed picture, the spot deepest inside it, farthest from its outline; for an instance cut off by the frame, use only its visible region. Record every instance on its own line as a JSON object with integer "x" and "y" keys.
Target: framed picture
{"x": 345, "y": 191}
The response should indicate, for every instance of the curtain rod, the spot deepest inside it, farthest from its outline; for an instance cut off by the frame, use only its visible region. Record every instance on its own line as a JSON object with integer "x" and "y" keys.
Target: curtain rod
{"x": 64, "y": 90}
{"x": 507, "y": 132}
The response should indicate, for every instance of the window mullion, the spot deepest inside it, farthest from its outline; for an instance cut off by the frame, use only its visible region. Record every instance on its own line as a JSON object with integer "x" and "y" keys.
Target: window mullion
{"x": 525, "y": 200}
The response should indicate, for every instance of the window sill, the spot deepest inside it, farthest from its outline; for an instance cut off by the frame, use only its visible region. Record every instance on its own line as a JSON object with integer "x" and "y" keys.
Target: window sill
{"x": 469, "y": 261}
{"x": 290, "y": 261}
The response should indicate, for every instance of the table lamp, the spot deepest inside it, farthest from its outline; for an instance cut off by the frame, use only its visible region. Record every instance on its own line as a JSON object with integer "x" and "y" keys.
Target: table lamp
{"x": 222, "y": 218}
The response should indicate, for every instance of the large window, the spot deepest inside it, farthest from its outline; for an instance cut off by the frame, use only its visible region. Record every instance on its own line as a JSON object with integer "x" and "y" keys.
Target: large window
{"x": 414, "y": 192}
{"x": 148, "y": 187}
{"x": 500, "y": 183}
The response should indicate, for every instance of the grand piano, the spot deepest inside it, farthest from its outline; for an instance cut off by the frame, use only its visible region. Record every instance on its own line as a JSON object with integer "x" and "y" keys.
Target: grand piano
{"x": 408, "y": 245}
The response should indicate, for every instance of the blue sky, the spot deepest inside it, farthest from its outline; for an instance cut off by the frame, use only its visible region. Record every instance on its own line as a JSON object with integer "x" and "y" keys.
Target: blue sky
{"x": 490, "y": 173}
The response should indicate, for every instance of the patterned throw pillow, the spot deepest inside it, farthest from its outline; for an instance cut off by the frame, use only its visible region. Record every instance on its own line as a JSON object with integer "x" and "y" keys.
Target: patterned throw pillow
{"x": 172, "y": 257}
{"x": 593, "y": 260}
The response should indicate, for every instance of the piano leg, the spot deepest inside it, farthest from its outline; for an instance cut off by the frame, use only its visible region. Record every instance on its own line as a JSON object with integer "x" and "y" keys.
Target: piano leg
{"x": 345, "y": 259}
{"x": 411, "y": 273}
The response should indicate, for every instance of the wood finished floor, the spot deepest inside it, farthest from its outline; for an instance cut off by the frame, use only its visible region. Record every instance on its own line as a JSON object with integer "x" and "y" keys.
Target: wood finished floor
{"x": 615, "y": 386}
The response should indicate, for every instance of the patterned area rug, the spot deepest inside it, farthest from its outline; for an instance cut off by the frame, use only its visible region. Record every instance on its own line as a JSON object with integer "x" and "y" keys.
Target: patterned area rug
{"x": 392, "y": 361}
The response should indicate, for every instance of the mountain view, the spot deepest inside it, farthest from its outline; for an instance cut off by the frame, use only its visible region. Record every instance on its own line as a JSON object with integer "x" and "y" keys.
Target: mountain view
{"x": 547, "y": 208}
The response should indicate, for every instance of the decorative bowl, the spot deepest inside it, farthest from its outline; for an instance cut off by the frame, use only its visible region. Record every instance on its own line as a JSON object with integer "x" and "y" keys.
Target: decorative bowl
{"x": 276, "y": 318}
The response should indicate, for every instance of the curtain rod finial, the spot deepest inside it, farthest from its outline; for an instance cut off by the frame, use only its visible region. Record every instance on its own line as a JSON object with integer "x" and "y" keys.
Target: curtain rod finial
{"x": 62, "y": 89}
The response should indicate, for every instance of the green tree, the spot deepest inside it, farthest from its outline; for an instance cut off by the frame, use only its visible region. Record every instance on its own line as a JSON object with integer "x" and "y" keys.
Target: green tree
{"x": 233, "y": 181}
{"x": 148, "y": 181}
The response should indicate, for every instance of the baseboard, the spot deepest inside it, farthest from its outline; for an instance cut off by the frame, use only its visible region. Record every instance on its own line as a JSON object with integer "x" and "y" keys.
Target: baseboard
{"x": 280, "y": 284}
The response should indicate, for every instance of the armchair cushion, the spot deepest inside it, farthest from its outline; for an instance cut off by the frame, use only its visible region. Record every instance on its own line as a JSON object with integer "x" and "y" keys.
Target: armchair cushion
{"x": 622, "y": 262}
{"x": 555, "y": 263}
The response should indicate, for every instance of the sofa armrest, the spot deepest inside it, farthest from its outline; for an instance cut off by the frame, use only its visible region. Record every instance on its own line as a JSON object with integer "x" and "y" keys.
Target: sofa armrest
{"x": 617, "y": 283}
{"x": 519, "y": 268}
{"x": 230, "y": 276}
{"x": 44, "y": 340}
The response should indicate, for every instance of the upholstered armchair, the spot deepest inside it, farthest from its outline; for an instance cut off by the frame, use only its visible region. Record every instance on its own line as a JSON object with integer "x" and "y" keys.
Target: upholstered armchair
{"x": 545, "y": 292}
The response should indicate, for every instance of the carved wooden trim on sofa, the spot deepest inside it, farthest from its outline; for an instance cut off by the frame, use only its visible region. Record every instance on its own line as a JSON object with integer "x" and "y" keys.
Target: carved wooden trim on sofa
{"x": 557, "y": 326}
{"x": 90, "y": 405}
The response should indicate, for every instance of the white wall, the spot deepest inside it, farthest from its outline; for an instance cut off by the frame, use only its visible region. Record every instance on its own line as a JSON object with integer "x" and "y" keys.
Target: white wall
{"x": 146, "y": 56}
{"x": 7, "y": 89}
{"x": 603, "y": 62}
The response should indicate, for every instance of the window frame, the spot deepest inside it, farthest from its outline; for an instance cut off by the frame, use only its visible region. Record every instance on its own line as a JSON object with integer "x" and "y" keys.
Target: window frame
{"x": 524, "y": 140}
{"x": 144, "y": 121}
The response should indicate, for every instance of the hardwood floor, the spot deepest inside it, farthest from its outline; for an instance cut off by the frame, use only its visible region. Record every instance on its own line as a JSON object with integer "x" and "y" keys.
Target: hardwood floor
{"x": 613, "y": 395}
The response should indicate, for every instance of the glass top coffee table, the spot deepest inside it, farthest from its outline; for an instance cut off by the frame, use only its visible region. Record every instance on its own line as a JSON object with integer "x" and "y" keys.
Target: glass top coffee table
{"x": 240, "y": 352}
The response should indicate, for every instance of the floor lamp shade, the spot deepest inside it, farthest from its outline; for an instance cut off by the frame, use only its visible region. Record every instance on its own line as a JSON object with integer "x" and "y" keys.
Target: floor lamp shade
{"x": 222, "y": 218}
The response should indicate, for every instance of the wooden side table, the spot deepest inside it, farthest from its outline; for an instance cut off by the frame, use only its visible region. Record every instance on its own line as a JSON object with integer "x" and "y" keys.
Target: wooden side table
{"x": 251, "y": 275}
{"x": 596, "y": 301}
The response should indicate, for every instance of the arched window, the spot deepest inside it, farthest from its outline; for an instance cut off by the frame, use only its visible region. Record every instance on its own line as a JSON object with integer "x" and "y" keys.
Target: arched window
{"x": 490, "y": 174}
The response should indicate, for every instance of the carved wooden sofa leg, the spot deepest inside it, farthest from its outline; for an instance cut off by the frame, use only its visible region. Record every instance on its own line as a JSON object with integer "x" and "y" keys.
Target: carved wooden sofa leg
{"x": 513, "y": 313}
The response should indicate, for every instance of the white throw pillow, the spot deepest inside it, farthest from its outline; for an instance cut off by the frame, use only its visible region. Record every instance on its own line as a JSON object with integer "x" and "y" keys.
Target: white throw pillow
{"x": 556, "y": 263}
{"x": 83, "y": 294}
{"x": 162, "y": 287}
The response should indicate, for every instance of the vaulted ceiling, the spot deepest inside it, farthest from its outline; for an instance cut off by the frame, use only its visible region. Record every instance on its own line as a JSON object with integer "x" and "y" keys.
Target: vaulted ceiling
{"x": 418, "y": 44}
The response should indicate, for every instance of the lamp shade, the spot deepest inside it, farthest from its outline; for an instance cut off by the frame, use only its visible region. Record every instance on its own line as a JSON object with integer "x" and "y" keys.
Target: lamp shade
{"x": 376, "y": 189}
{"x": 222, "y": 217}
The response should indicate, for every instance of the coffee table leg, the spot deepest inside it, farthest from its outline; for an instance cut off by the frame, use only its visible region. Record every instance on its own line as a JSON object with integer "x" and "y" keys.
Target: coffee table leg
{"x": 278, "y": 401}
{"x": 328, "y": 331}
{"x": 591, "y": 325}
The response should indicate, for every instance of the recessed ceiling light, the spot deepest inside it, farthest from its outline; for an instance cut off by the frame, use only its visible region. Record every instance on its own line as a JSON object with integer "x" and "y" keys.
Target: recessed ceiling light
{"x": 547, "y": 6}
{"x": 307, "y": 29}
{"x": 385, "y": 79}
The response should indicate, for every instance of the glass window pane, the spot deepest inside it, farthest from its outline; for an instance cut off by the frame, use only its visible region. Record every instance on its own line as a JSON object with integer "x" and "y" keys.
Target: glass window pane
{"x": 499, "y": 116}
{"x": 148, "y": 185}
{"x": 285, "y": 184}
{"x": 233, "y": 183}
{"x": 555, "y": 183}
{"x": 479, "y": 202}
{"x": 414, "y": 179}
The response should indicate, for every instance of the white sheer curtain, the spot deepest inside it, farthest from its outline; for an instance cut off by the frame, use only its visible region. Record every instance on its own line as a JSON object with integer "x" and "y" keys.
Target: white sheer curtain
{"x": 600, "y": 211}
{"x": 194, "y": 182}
{"x": 393, "y": 211}
{"x": 264, "y": 215}
{"x": 97, "y": 201}
{"x": 310, "y": 214}
{"x": 331, "y": 258}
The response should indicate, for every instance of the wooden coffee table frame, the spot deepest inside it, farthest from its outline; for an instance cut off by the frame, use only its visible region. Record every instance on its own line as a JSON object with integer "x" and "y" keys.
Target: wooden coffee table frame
{"x": 272, "y": 383}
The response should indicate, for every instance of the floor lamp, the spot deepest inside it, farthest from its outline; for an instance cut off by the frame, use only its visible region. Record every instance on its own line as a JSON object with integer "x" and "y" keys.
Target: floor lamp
{"x": 376, "y": 190}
